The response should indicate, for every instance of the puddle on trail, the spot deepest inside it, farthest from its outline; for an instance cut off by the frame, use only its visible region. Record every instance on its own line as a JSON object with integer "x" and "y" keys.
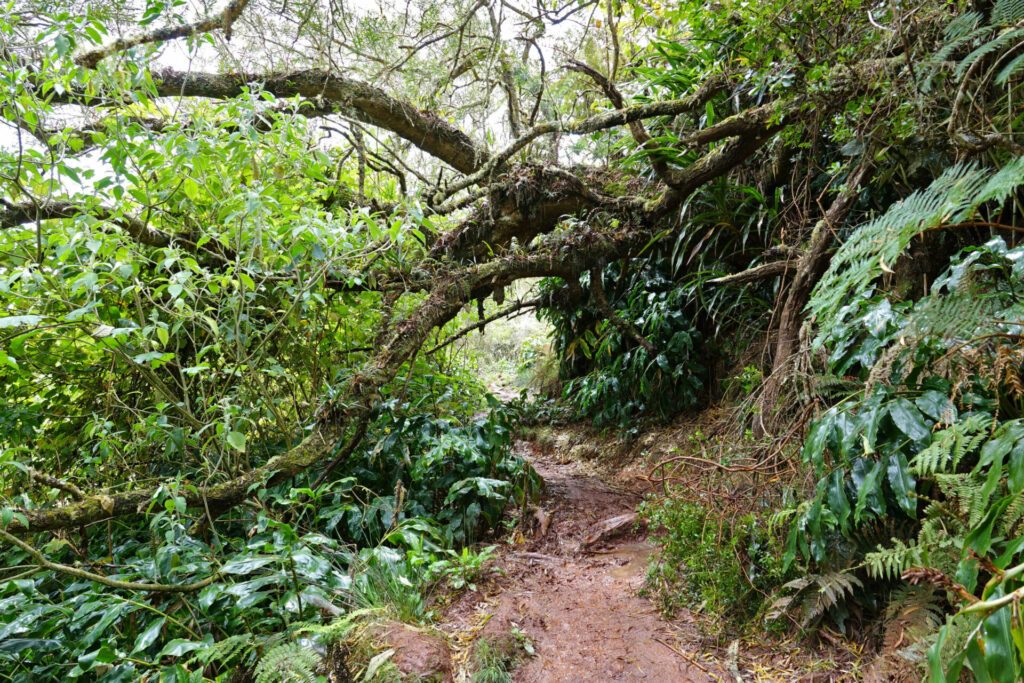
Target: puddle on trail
{"x": 628, "y": 561}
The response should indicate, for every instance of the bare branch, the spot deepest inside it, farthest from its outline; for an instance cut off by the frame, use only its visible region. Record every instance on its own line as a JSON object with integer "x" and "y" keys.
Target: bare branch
{"x": 224, "y": 21}
{"x": 79, "y": 573}
{"x": 761, "y": 272}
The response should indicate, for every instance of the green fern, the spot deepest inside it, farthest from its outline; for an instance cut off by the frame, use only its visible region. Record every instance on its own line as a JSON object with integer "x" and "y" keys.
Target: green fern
{"x": 957, "y": 316}
{"x": 967, "y": 493}
{"x": 1011, "y": 523}
{"x": 288, "y": 663}
{"x": 1014, "y": 67}
{"x": 813, "y": 596}
{"x": 1002, "y": 34}
{"x": 226, "y": 651}
{"x": 952, "y": 198}
{"x": 891, "y": 562}
{"x": 1007, "y": 12}
{"x": 949, "y": 446}
{"x": 1001, "y": 42}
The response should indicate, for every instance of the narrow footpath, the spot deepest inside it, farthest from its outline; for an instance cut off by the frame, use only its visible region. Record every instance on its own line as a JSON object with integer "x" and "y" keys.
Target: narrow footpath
{"x": 571, "y": 588}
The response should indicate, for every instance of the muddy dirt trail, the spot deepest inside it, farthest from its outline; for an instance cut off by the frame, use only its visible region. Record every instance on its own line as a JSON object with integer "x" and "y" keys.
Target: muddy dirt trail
{"x": 571, "y": 586}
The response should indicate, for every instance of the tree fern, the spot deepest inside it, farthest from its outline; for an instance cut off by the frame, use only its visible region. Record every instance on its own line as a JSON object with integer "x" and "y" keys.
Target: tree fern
{"x": 288, "y": 663}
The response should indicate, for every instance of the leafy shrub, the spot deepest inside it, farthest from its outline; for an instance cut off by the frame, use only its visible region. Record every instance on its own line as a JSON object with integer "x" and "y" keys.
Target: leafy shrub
{"x": 616, "y": 378}
{"x": 380, "y": 535}
{"x": 921, "y": 472}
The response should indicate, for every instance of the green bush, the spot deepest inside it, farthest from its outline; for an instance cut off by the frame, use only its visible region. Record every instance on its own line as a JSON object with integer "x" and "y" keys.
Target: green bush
{"x": 613, "y": 377}
{"x": 380, "y": 534}
{"x": 921, "y": 468}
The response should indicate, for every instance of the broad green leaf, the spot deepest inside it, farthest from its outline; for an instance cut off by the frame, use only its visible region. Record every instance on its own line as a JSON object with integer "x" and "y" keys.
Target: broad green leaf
{"x": 837, "y": 500}
{"x": 149, "y": 636}
{"x": 869, "y": 493}
{"x": 182, "y": 646}
{"x": 902, "y": 482}
{"x": 246, "y": 565}
{"x": 908, "y": 419}
{"x": 237, "y": 441}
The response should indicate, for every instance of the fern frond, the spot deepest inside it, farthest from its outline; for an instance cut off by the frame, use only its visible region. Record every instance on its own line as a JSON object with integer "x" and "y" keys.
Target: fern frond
{"x": 288, "y": 663}
{"x": 1000, "y": 42}
{"x": 814, "y": 595}
{"x": 949, "y": 446}
{"x": 226, "y": 651}
{"x": 954, "y": 197}
{"x": 963, "y": 25}
{"x": 1014, "y": 67}
{"x": 1011, "y": 523}
{"x": 968, "y": 495}
{"x": 960, "y": 36}
{"x": 891, "y": 562}
{"x": 1007, "y": 12}
{"x": 913, "y": 612}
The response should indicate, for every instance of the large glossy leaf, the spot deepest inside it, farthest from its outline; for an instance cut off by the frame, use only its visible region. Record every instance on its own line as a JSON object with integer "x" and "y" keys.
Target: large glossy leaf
{"x": 902, "y": 482}
{"x": 908, "y": 419}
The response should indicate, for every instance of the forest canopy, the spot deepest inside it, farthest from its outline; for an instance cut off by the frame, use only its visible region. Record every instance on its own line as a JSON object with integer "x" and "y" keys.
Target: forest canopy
{"x": 242, "y": 246}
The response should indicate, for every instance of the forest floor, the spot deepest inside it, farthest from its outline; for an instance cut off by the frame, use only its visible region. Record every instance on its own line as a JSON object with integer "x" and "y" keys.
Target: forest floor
{"x": 568, "y": 591}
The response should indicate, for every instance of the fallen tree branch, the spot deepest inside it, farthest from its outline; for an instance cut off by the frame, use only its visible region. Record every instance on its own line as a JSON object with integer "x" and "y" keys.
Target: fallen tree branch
{"x": 79, "y": 573}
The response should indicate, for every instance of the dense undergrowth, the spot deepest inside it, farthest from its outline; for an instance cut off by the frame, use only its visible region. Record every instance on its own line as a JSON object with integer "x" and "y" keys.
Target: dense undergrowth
{"x": 380, "y": 536}
{"x": 902, "y": 523}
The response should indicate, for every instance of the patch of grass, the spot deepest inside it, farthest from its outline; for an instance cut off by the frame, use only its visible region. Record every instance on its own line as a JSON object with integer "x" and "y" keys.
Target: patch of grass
{"x": 722, "y": 568}
{"x": 494, "y": 660}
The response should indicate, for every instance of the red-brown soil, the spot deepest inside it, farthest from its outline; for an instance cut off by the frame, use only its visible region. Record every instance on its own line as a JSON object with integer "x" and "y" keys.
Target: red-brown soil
{"x": 577, "y": 604}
